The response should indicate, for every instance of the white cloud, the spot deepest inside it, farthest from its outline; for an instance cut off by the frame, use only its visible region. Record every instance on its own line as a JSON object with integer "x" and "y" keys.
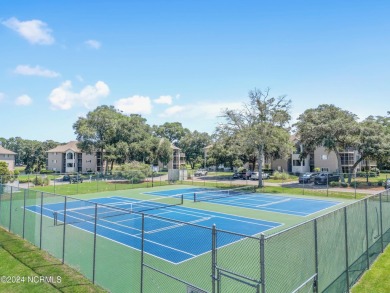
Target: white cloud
{"x": 23, "y": 100}
{"x": 2, "y": 96}
{"x": 171, "y": 111}
{"x": 64, "y": 98}
{"x": 93, "y": 44}
{"x": 80, "y": 78}
{"x": 134, "y": 105}
{"x": 36, "y": 71}
{"x": 163, "y": 100}
{"x": 35, "y": 31}
{"x": 200, "y": 110}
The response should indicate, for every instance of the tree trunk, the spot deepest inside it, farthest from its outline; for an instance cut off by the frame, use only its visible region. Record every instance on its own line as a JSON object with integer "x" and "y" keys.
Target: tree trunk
{"x": 260, "y": 163}
{"x": 353, "y": 169}
{"x": 339, "y": 166}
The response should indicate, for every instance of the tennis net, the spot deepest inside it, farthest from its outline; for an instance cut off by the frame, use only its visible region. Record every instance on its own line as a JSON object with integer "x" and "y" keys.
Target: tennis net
{"x": 215, "y": 194}
{"x": 88, "y": 211}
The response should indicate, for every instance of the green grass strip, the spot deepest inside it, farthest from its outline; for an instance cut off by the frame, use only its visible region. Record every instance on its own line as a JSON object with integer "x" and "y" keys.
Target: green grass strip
{"x": 377, "y": 278}
{"x": 22, "y": 265}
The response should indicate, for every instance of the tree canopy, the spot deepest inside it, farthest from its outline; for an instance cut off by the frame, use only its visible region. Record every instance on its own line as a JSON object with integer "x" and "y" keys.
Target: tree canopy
{"x": 260, "y": 125}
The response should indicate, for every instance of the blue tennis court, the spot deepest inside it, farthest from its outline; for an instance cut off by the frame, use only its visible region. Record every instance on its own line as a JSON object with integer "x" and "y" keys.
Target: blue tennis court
{"x": 259, "y": 201}
{"x": 165, "y": 239}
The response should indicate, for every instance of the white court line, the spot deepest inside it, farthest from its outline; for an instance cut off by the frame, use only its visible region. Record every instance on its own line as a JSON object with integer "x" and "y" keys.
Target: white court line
{"x": 224, "y": 201}
{"x": 177, "y": 226}
{"x": 215, "y": 214}
{"x": 120, "y": 243}
{"x": 272, "y": 203}
{"x": 132, "y": 235}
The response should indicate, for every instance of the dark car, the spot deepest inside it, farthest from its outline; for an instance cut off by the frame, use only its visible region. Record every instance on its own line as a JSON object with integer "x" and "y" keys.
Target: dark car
{"x": 76, "y": 179}
{"x": 387, "y": 183}
{"x": 66, "y": 178}
{"x": 325, "y": 178}
{"x": 307, "y": 177}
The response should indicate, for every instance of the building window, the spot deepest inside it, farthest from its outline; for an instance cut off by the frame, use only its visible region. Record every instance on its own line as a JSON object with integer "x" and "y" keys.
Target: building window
{"x": 298, "y": 163}
{"x": 69, "y": 156}
{"x": 347, "y": 159}
{"x": 324, "y": 157}
{"x": 69, "y": 165}
{"x": 54, "y": 161}
{"x": 324, "y": 169}
{"x": 88, "y": 161}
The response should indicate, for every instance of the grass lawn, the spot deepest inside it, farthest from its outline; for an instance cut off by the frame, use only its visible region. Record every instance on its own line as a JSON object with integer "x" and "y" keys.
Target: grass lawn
{"x": 377, "y": 278}
{"x": 20, "y": 259}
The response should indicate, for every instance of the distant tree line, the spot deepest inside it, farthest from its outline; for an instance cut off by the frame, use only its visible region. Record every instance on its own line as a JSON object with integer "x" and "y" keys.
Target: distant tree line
{"x": 260, "y": 130}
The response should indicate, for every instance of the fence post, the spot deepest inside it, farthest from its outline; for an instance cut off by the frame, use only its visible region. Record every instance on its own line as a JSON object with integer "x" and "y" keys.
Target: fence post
{"x": 64, "y": 231}
{"x": 94, "y": 245}
{"x": 380, "y": 213}
{"x": 10, "y": 211}
{"x": 213, "y": 257}
{"x": 316, "y": 252}
{"x": 40, "y": 229}
{"x": 142, "y": 251}
{"x": 262, "y": 262}
{"x": 367, "y": 244}
{"x": 346, "y": 247}
{"x": 1, "y": 194}
{"x": 24, "y": 211}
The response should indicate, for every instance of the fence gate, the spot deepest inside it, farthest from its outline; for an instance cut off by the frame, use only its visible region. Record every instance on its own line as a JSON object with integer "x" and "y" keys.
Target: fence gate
{"x": 237, "y": 262}
{"x": 229, "y": 282}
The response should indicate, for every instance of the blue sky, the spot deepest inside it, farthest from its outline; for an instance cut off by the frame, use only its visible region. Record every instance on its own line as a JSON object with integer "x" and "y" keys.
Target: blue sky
{"x": 186, "y": 60}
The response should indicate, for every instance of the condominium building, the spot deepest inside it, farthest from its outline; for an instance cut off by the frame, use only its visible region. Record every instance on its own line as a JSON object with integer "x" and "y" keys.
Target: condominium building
{"x": 68, "y": 158}
{"x": 8, "y": 157}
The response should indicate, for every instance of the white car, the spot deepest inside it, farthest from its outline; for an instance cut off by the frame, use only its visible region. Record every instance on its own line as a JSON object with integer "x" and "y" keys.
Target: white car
{"x": 255, "y": 176}
{"x": 201, "y": 172}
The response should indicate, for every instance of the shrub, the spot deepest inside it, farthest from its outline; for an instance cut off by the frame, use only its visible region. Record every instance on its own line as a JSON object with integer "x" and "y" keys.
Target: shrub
{"x": 16, "y": 172}
{"x": 38, "y": 180}
{"x": 380, "y": 182}
{"x": 354, "y": 184}
{"x": 46, "y": 172}
{"x": 281, "y": 175}
{"x": 344, "y": 184}
{"x": 334, "y": 184}
{"x": 134, "y": 171}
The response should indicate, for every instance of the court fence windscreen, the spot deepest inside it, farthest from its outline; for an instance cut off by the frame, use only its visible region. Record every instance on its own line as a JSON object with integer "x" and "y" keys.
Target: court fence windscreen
{"x": 325, "y": 254}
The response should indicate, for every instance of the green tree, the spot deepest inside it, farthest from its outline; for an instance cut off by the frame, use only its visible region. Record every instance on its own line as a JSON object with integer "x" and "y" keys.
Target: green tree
{"x": 173, "y": 131}
{"x": 97, "y": 130}
{"x": 5, "y": 174}
{"x": 164, "y": 151}
{"x": 260, "y": 124}
{"x": 193, "y": 144}
{"x": 328, "y": 126}
{"x": 373, "y": 142}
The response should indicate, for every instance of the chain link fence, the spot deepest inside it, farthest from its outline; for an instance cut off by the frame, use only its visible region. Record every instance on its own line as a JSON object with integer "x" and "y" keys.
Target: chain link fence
{"x": 325, "y": 254}
{"x": 354, "y": 186}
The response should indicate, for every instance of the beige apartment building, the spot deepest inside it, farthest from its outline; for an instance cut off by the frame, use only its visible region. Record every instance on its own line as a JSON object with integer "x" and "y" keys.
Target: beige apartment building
{"x": 321, "y": 159}
{"x": 8, "y": 157}
{"x": 178, "y": 159}
{"x": 68, "y": 158}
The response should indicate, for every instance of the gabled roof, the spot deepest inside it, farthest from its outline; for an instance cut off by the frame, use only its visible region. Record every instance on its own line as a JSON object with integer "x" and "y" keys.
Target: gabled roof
{"x": 4, "y": 151}
{"x": 72, "y": 145}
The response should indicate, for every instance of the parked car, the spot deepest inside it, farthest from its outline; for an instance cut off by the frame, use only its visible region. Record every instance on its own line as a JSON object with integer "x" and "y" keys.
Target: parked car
{"x": 242, "y": 175}
{"x": 255, "y": 176}
{"x": 237, "y": 175}
{"x": 387, "y": 183}
{"x": 324, "y": 178}
{"x": 307, "y": 177}
{"x": 66, "y": 178}
{"x": 76, "y": 179}
{"x": 201, "y": 172}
